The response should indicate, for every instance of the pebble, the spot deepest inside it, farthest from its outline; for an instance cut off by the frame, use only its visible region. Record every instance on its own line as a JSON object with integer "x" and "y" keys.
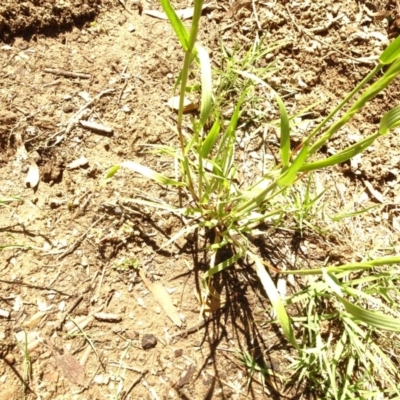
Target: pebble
{"x": 148, "y": 341}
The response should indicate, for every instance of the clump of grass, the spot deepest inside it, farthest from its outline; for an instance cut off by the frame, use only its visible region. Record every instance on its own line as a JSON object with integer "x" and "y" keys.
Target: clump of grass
{"x": 212, "y": 198}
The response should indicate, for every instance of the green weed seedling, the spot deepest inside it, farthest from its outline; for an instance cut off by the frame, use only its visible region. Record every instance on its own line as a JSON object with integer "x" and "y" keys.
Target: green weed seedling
{"x": 26, "y": 375}
{"x": 211, "y": 198}
{"x": 127, "y": 264}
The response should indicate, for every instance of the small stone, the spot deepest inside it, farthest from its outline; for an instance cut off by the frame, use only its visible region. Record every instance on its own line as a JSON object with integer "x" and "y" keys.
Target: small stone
{"x": 131, "y": 28}
{"x": 55, "y": 203}
{"x": 68, "y": 108}
{"x": 98, "y": 379}
{"x": 148, "y": 341}
{"x": 178, "y": 353}
{"x": 10, "y": 359}
{"x": 84, "y": 261}
{"x": 131, "y": 334}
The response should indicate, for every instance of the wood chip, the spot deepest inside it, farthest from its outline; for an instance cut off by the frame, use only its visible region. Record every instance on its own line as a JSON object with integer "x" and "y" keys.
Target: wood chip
{"x": 85, "y": 356}
{"x": 188, "y": 105}
{"x": 78, "y": 163}
{"x": 108, "y": 317}
{"x": 69, "y": 365}
{"x": 377, "y": 195}
{"x": 236, "y": 7}
{"x": 71, "y": 327}
{"x": 163, "y": 298}
{"x": 34, "y": 320}
{"x": 186, "y": 376}
{"x": 99, "y": 128}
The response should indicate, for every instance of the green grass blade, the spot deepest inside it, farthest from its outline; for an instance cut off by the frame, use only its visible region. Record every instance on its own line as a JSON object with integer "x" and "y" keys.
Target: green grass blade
{"x": 373, "y": 90}
{"x": 227, "y": 143}
{"x": 210, "y": 139}
{"x": 198, "y": 8}
{"x": 372, "y": 318}
{"x": 206, "y": 85}
{"x": 275, "y": 299}
{"x": 342, "y": 155}
{"x": 9, "y": 199}
{"x": 153, "y": 204}
{"x": 340, "y": 350}
{"x": 177, "y": 25}
{"x": 290, "y": 175}
{"x": 344, "y": 215}
{"x": 356, "y": 333}
{"x": 390, "y": 120}
{"x": 285, "y": 133}
{"x": 356, "y": 266}
{"x": 18, "y": 246}
{"x": 391, "y": 52}
{"x": 222, "y": 265}
{"x": 149, "y": 173}
{"x": 348, "y": 375}
{"x": 110, "y": 174}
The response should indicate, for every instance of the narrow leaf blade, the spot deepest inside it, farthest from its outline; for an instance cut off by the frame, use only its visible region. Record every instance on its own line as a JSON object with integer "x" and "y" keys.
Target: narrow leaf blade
{"x": 179, "y": 28}
{"x": 391, "y": 52}
{"x": 390, "y": 121}
{"x": 210, "y": 140}
{"x": 285, "y": 133}
{"x": 341, "y": 156}
{"x": 290, "y": 175}
{"x": 372, "y": 318}
{"x": 110, "y": 174}
{"x": 206, "y": 85}
{"x": 149, "y": 173}
{"x": 275, "y": 299}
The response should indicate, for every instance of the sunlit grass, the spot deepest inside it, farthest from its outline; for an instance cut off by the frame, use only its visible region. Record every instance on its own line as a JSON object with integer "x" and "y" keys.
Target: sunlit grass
{"x": 339, "y": 316}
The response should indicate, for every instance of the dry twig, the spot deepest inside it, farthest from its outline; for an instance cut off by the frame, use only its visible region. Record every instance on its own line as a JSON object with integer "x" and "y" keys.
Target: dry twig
{"x": 78, "y": 115}
{"x": 72, "y": 248}
{"x": 67, "y": 74}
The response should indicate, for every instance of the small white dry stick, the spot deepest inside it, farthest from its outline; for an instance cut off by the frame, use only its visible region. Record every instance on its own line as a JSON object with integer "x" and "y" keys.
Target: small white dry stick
{"x": 79, "y": 114}
{"x": 152, "y": 391}
{"x": 4, "y": 313}
{"x": 94, "y": 126}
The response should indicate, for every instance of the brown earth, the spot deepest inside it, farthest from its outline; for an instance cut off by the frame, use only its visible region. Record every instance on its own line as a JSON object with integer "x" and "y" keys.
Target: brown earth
{"x": 26, "y": 18}
{"x": 81, "y": 241}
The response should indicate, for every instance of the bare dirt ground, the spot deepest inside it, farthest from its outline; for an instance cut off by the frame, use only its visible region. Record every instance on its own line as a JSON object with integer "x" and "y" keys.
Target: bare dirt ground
{"x": 80, "y": 242}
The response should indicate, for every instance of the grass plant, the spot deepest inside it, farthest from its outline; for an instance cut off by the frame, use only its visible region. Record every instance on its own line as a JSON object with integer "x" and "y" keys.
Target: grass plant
{"x": 358, "y": 299}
